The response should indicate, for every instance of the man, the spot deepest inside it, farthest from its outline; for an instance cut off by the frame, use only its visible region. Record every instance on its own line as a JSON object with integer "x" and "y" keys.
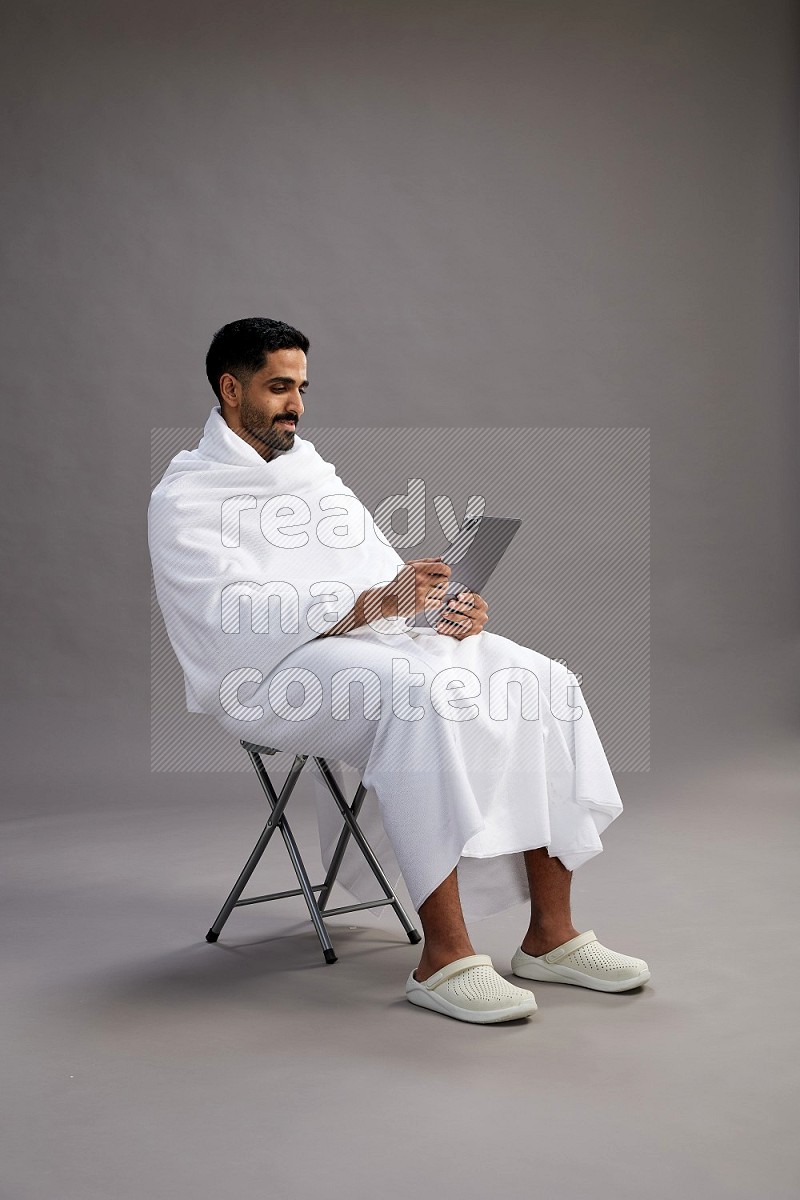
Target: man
{"x": 479, "y": 801}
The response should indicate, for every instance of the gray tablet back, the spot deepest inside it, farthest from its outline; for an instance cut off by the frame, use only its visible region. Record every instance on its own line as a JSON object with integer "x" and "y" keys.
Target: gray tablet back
{"x": 473, "y": 556}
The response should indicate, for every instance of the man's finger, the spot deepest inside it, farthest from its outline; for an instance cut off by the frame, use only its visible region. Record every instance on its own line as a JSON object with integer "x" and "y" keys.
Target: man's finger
{"x": 455, "y": 622}
{"x": 455, "y": 604}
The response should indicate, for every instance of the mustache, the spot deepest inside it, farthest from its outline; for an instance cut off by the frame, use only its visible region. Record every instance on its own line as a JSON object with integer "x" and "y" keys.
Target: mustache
{"x": 285, "y": 417}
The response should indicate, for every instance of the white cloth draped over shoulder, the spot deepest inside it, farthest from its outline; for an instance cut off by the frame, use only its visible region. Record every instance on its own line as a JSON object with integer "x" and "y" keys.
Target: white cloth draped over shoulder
{"x": 472, "y": 751}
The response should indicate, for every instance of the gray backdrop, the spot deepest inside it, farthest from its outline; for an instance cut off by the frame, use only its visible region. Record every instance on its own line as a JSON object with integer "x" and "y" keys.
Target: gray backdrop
{"x": 498, "y": 216}
{"x": 503, "y": 214}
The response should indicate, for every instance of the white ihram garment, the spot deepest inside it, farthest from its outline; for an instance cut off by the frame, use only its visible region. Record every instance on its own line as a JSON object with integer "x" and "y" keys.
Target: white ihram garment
{"x": 455, "y": 776}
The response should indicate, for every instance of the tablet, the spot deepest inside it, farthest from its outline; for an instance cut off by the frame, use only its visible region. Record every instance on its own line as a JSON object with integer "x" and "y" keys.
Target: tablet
{"x": 473, "y": 555}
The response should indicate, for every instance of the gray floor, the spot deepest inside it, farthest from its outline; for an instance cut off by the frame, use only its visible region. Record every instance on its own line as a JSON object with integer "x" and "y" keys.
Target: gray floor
{"x": 141, "y": 1060}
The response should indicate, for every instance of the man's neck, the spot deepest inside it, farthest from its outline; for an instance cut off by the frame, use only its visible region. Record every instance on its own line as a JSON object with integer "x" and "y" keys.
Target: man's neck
{"x": 261, "y": 448}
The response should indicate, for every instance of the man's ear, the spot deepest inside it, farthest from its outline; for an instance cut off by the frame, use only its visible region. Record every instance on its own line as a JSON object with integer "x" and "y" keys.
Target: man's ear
{"x": 230, "y": 390}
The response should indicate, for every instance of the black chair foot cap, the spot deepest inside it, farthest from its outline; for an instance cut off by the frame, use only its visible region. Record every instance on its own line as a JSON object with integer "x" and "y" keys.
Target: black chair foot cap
{"x": 330, "y": 956}
{"x": 414, "y": 937}
{"x": 211, "y": 936}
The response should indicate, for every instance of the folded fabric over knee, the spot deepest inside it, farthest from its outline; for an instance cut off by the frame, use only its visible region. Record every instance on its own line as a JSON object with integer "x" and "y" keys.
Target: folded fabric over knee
{"x": 470, "y": 794}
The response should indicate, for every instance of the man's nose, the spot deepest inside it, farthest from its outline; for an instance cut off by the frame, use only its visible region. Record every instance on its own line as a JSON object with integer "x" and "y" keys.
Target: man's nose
{"x": 296, "y": 404}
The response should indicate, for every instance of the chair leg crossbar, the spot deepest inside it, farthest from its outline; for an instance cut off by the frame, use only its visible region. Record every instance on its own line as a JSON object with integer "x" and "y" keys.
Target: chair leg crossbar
{"x": 317, "y": 908}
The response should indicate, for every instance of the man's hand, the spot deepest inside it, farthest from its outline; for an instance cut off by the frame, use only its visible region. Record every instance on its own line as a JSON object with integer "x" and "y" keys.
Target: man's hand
{"x": 467, "y": 613}
{"x": 420, "y": 584}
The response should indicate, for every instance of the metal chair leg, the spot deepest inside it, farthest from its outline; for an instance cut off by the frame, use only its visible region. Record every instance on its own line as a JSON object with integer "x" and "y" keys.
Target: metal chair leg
{"x": 277, "y": 806}
{"x": 366, "y": 850}
{"x": 341, "y": 846}
{"x": 277, "y": 820}
{"x": 308, "y": 893}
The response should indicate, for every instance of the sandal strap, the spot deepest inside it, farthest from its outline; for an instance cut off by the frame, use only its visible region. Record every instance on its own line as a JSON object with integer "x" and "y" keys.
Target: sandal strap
{"x": 582, "y": 939}
{"x": 455, "y": 968}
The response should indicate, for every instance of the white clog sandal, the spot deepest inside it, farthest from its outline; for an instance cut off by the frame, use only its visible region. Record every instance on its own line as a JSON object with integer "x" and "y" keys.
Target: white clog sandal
{"x": 582, "y": 960}
{"x": 470, "y": 989}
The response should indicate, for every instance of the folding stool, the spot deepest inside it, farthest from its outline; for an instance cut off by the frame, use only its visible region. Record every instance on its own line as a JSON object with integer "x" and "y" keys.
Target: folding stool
{"x": 277, "y": 820}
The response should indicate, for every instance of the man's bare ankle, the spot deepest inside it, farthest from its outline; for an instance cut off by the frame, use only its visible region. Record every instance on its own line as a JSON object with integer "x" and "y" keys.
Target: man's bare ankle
{"x": 540, "y": 939}
{"x": 433, "y": 959}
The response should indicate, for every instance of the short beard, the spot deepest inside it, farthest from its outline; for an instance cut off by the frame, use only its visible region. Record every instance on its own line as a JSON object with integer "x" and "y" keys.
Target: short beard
{"x": 262, "y": 430}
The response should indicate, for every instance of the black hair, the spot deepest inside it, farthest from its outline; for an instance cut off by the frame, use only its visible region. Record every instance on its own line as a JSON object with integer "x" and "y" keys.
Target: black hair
{"x": 241, "y": 348}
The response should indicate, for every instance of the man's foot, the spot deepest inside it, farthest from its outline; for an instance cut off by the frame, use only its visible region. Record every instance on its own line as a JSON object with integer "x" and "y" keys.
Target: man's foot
{"x": 584, "y": 961}
{"x": 470, "y": 989}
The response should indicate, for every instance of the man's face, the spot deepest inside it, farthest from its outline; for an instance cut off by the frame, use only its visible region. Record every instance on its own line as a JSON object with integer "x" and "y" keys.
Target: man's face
{"x": 266, "y": 409}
